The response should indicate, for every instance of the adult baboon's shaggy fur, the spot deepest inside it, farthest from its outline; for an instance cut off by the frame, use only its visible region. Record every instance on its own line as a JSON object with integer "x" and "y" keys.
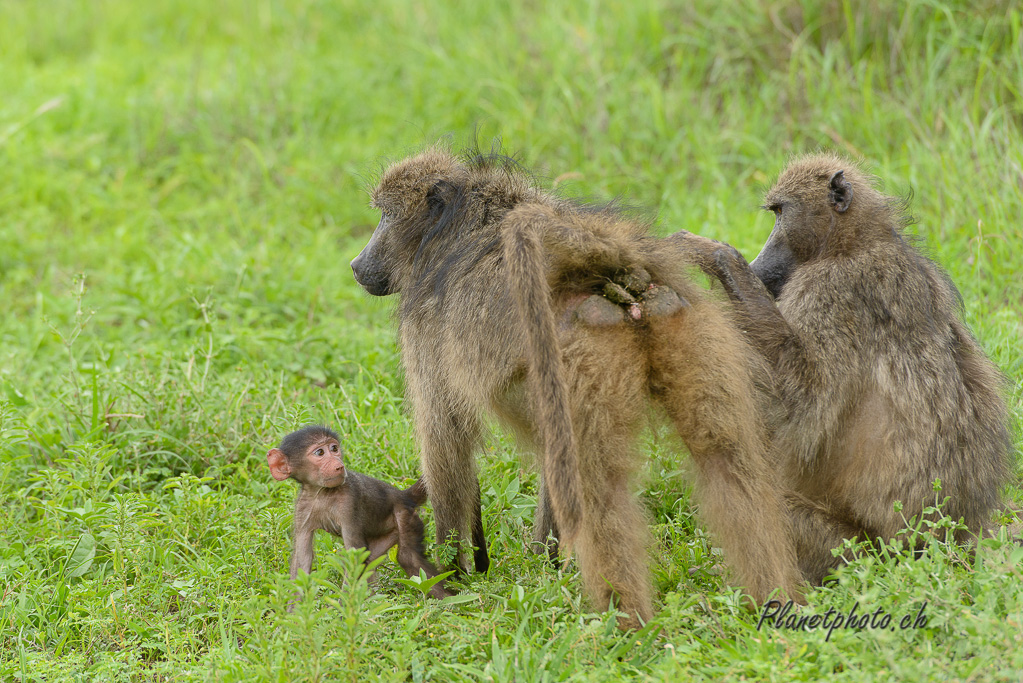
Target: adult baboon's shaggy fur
{"x": 499, "y": 312}
{"x": 883, "y": 387}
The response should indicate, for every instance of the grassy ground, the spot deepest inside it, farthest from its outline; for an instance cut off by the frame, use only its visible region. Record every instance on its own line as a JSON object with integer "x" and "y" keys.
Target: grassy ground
{"x": 182, "y": 186}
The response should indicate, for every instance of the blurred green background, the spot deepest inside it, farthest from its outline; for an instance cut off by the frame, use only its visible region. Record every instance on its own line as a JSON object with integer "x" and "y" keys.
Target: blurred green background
{"x": 182, "y": 186}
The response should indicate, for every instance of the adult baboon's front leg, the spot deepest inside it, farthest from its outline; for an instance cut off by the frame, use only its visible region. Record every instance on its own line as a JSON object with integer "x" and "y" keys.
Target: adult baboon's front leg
{"x": 758, "y": 315}
{"x": 480, "y": 556}
{"x": 449, "y": 439}
{"x": 723, "y": 262}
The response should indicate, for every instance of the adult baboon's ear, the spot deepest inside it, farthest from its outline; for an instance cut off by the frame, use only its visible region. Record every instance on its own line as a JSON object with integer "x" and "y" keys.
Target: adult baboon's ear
{"x": 440, "y": 195}
{"x": 280, "y": 468}
{"x": 841, "y": 192}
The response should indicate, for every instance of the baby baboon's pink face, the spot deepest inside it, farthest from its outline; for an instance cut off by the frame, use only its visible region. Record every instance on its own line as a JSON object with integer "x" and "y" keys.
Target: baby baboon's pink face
{"x": 323, "y": 464}
{"x": 318, "y": 463}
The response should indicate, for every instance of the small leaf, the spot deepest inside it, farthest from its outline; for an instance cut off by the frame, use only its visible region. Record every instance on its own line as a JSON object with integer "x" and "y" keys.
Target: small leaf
{"x": 81, "y": 556}
{"x": 423, "y": 584}
{"x": 460, "y": 598}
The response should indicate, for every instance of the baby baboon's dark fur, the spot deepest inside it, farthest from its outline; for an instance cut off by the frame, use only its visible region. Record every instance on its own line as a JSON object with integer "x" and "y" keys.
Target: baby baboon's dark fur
{"x": 500, "y": 312}
{"x": 365, "y": 512}
{"x": 883, "y": 387}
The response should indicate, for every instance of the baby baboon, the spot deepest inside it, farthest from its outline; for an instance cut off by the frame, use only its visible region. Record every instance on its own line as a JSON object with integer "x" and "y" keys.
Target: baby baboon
{"x": 365, "y": 512}
{"x": 883, "y": 387}
{"x": 501, "y": 311}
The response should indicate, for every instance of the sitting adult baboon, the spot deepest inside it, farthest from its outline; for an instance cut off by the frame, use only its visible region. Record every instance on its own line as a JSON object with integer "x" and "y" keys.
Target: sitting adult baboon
{"x": 883, "y": 388}
{"x": 500, "y": 311}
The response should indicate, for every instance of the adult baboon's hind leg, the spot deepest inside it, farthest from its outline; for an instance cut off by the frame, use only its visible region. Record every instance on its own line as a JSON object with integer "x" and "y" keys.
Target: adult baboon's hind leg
{"x": 545, "y": 528}
{"x": 701, "y": 373}
{"x": 815, "y": 531}
{"x": 608, "y": 402}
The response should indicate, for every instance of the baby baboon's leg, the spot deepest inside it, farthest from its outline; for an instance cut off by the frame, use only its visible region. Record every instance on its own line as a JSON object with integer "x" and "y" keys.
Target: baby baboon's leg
{"x": 411, "y": 554}
{"x": 700, "y": 373}
{"x": 607, "y": 385}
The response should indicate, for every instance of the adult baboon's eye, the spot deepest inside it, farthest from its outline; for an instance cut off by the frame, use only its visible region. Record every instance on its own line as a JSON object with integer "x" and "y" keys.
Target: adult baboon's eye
{"x": 776, "y": 208}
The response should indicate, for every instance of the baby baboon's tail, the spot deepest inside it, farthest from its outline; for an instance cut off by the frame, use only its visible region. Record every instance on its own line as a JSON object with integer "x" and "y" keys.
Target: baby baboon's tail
{"x": 417, "y": 492}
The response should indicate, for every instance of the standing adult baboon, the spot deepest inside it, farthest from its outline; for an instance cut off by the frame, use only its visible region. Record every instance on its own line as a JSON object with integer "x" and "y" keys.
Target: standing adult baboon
{"x": 500, "y": 312}
{"x": 883, "y": 387}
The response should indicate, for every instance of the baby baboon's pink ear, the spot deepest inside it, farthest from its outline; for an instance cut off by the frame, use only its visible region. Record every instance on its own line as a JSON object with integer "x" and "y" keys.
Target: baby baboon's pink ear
{"x": 280, "y": 469}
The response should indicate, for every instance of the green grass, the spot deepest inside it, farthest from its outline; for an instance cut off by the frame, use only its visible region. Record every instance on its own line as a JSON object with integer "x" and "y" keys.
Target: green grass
{"x": 182, "y": 186}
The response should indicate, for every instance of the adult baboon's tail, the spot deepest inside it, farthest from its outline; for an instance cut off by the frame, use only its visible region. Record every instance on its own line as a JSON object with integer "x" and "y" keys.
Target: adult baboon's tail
{"x": 527, "y": 283}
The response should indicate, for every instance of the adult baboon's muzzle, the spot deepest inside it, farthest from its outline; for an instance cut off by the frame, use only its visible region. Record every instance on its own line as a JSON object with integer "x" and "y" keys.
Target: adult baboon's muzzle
{"x": 370, "y": 275}
{"x": 774, "y": 264}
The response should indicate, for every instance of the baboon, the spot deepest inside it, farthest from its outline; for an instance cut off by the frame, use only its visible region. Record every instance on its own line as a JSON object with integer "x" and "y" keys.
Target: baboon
{"x": 365, "y": 512}
{"x": 883, "y": 388}
{"x": 501, "y": 311}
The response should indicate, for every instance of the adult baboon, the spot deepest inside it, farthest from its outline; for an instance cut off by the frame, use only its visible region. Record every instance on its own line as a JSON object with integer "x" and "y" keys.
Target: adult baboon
{"x": 883, "y": 387}
{"x": 500, "y": 312}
